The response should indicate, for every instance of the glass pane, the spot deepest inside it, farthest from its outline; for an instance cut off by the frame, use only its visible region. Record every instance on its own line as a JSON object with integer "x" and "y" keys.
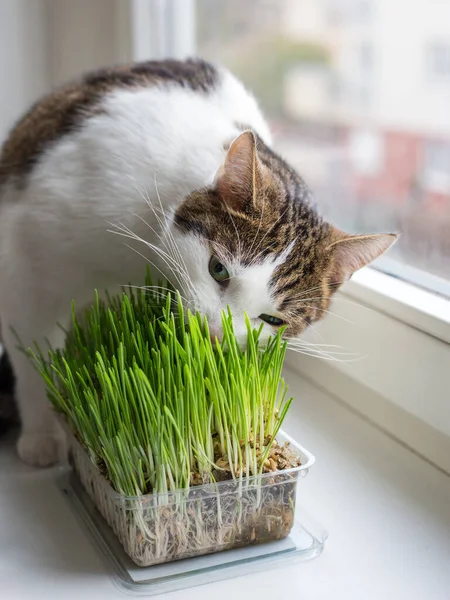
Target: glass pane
{"x": 358, "y": 96}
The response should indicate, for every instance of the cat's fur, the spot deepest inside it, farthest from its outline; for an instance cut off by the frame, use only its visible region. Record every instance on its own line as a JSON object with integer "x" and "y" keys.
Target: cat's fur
{"x": 176, "y": 157}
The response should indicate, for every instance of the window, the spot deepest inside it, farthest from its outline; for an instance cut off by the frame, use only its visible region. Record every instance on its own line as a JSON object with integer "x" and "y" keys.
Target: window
{"x": 365, "y": 59}
{"x": 438, "y": 63}
{"x": 436, "y": 167}
{"x": 342, "y": 85}
{"x": 349, "y": 11}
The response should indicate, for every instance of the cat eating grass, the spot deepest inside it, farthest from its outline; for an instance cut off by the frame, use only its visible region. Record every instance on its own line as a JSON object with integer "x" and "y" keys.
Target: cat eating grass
{"x": 168, "y": 163}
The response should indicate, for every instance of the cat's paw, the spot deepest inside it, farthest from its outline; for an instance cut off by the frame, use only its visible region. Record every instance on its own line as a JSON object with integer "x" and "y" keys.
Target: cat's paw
{"x": 41, "y": 449}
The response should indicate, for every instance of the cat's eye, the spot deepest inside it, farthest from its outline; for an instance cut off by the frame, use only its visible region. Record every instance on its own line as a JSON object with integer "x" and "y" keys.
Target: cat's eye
{"x": 275, "y": 321}
{"x": 218, "y": 271}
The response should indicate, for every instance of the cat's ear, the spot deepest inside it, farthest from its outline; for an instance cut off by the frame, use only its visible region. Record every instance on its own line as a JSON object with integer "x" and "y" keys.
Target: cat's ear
{"x": 352, "y": 252}
{"x": 242, "y": 175}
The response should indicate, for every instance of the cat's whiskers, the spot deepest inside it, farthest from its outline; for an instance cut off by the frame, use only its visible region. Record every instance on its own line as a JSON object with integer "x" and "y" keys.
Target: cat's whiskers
{"x": 307, "y": 291}
{"x": 301, "y": 301}
{"x": 330, "y": 349}
{"x": 146, "y": 260}
{"x": 126, "y": 232}
{"x": 313, "y": 328}
{"x": 314, "y": 288}
{"x": 161, "y": 239}
{"x": 308, "y": 349}
{"x": 168, "y": 232}
{"x": 301, "y": 297}
{"x": 180, "y": 283}
{"x": 167, "y": 225}
{"x": 171, "y": 254}
{"x": 327, "y": 311}
{"x": 169, "y": 244}
{"x": 155, "y": 290}
{"x": 172, "y": 265}
{"x": 176, "y": 272}
{"x": 308, "y": 343}
{"x": 164, "y": 225}
{"x": 317, "y": 354}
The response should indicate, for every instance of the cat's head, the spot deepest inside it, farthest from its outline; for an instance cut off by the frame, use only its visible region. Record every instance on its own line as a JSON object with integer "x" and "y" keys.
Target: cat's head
{"x": 254, "y": 242}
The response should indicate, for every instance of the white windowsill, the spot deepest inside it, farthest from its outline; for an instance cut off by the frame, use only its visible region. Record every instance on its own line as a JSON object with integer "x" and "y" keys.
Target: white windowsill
{"x": 386, "y": 511}
{"x": 398, "y": 375}
{"x": 406, "y": 302}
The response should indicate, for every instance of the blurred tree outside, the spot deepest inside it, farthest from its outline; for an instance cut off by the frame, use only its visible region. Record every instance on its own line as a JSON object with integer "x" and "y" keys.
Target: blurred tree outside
{"x": 248, "y": 39}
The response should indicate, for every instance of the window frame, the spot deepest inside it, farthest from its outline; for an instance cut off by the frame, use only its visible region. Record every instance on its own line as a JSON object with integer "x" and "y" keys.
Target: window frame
{"x": 382, "y": 288}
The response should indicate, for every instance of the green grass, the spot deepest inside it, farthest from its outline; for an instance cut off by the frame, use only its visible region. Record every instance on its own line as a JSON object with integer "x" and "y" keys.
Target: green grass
{"x": 156, "y": 403}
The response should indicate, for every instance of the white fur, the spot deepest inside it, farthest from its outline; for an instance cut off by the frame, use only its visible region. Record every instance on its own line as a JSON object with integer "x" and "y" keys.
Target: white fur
{"x": 155, "y": 145}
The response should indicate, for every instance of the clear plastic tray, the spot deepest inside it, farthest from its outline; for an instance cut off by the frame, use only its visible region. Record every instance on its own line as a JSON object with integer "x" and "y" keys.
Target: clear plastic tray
{"x": 305, "y": 541}
{"x": 159, "y": 528}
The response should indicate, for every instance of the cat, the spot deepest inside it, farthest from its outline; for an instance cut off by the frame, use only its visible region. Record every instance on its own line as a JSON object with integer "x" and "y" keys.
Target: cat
{"x": 168, "y": 162}
{"x": 8, "y": 409}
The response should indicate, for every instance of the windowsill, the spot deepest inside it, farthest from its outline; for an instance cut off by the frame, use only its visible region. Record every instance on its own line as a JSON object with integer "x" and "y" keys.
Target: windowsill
{"x": 391, "y": 361}
{"x": 386, "y": 511}
{"x": 408, "y": 303}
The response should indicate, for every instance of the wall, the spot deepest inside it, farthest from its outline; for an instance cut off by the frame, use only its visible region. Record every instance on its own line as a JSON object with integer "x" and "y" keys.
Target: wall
{"x": 46, "y": 42}
{"x": 24, "y": 68}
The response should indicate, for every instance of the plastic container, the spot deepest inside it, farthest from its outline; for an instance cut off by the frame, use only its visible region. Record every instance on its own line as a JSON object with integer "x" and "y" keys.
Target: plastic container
{"x": 305, "y": 542}
{"x": 159, "y": 528}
